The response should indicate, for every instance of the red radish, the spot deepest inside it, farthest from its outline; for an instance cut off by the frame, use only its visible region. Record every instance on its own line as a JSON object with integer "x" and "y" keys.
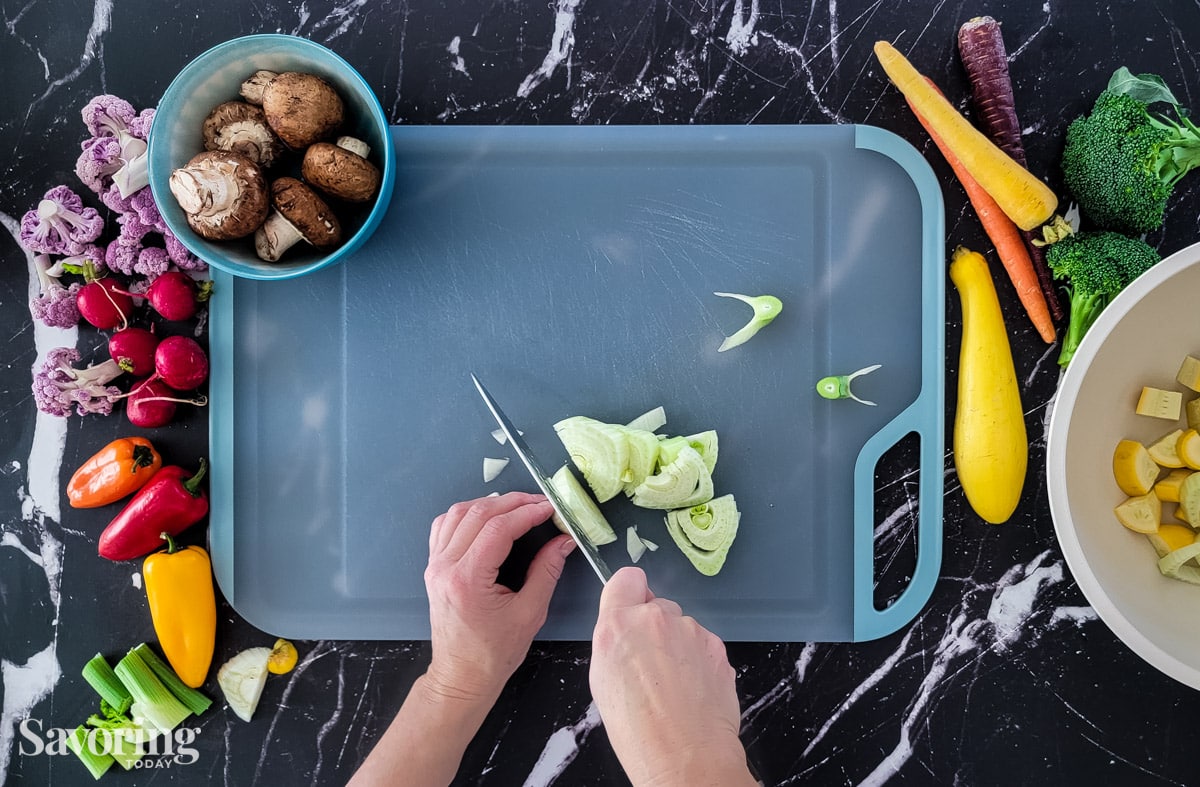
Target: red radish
{"x": 133, "y": 349}
{"x": 150, "y": 404}
{"x": 173, "y": 295}
{"x": 981, "y": 47}
{"x": 180, "y": 362}
{"x": 103, "y": 304}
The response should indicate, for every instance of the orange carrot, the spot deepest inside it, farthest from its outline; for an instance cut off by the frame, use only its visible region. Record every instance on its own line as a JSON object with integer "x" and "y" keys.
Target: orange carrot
{"x": 1005, "y": 236}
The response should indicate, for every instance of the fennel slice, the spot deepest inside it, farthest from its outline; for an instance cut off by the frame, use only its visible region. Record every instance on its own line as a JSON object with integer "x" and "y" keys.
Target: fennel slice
{"x": 633, "y": 544}
{"x": 599, "y": 450}
{"x": 242, "y": 679}
{"x": 643, "y": 456}
{"x": 595, "y": 527}
{"x": 709, "y": 525}
{"x": 683, "y": 483}
{"x": 705, "y": 444}
{"x": 707, "y": 561}
{"x": 651, "y": 420}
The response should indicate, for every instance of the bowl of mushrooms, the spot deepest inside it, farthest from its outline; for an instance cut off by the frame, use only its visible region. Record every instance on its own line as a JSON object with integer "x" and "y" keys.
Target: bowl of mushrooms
{"x": 270, "y": 157}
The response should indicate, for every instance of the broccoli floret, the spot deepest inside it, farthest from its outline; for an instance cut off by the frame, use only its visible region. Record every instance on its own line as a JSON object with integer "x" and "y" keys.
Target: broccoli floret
{"x": 55, "y": 304}
{"x": 60, "y": 224}
{"x": 1099, "y": 265}
{"x": 1121, "y": 164}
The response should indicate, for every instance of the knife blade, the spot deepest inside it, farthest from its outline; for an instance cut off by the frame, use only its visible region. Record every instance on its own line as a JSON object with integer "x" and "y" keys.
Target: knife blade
{"x": 565, "y": 515}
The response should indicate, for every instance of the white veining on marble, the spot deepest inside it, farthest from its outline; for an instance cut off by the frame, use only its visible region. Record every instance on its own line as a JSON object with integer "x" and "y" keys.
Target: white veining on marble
{"x": 741, "y": 35}
{"x": 561, "y": 44}
{"x": 457, "y": 64}
{"x": 562, "y": 748}
{"x": 92, "y": 48}
{"x": 25, "y": 685}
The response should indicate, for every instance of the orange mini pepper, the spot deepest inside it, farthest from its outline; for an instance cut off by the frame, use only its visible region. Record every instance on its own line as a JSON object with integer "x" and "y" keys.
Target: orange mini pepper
{"x": 117, "y": 470}
{"x": 183, "y": 606}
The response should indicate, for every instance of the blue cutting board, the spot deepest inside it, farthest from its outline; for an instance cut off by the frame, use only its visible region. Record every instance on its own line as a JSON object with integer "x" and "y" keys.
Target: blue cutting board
{"x": 572, "y": 269}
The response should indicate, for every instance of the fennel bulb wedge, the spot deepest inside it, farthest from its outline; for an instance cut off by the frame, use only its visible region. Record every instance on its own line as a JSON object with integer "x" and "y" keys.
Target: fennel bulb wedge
{"x": 586, "y": 512}
{"x": 599, "y": 450}
{"x": 684, "y": 482}
{"x": 705, "y": 532}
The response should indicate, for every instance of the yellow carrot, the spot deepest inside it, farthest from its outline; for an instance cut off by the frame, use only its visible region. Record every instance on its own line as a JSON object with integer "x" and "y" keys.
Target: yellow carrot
{"x": 1002, "y": 232}
{"x": 1024, "y": 198}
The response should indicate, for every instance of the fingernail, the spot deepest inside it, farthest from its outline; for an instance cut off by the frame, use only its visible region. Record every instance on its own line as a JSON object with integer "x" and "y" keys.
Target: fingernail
{"x": 568, "y": 547}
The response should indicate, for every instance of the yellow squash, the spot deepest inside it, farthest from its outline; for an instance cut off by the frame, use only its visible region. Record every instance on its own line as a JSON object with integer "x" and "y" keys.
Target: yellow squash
{"x": 183, "y": 606}
{"x": 991, "y": 450}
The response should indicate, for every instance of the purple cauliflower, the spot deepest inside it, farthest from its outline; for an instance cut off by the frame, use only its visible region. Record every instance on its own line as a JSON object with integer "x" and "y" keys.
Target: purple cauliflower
{"x": 152, "y": 262}
{"x": 106, "y": 115}
{"x": 55, "y": 305}
{"x": 183, "y": 259}
{"x": 60, "y": 224}
{"x": 58, "y": 386}
{"x": 142, "y": 203}
{"x": 98, "y": 162}
{"x": 140, "y": 125}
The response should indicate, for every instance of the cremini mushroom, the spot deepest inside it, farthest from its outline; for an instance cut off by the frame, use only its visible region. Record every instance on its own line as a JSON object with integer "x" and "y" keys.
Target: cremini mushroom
{"x": 299, "y": 215}
{"x": 252, "y": 88}
{"x": 342, "y": 170}
{"x": 242, "y": 128}
{"x": 301, "y": 108}
{"x": 223, "y": 194}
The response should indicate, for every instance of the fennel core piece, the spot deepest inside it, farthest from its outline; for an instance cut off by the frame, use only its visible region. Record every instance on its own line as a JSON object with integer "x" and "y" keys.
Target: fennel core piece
{"x": 766, "y": 308}
{"x": 838, "y": 386}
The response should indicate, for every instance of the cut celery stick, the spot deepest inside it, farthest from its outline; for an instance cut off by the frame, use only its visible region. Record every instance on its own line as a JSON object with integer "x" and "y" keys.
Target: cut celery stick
{"x": 193, "y": 700}
{"x": 156, "y": 701}
{"x": 101, "y": 677}
{"x": 97, "y": 764}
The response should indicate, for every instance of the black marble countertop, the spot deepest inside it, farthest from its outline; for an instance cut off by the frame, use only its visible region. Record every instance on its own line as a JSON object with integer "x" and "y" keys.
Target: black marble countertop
{"x": 1006, "y": 677}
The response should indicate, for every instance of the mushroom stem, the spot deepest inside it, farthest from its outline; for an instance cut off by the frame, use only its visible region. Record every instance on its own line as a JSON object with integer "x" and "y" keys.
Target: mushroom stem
{"x": 356, "y": 146}
{"x": 204, "y": 192}
{"x": 252, "y": 88}
{"x": 275, "y": 237}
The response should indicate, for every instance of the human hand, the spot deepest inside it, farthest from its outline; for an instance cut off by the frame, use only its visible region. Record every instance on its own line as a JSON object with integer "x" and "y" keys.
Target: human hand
{"x": 481, "y": 630}
{"x": 665, "y": 690}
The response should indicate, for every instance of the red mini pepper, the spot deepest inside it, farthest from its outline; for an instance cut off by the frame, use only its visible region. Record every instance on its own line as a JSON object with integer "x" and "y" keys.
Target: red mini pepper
{"x": 170, "y": 502}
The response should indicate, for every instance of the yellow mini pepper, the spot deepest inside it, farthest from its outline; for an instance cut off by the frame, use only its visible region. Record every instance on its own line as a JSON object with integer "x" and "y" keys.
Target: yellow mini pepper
{"x": 183, "y": 606}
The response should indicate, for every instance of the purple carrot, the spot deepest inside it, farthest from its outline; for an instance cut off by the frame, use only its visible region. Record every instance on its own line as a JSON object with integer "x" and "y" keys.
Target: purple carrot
{"x": 982, "y": 50}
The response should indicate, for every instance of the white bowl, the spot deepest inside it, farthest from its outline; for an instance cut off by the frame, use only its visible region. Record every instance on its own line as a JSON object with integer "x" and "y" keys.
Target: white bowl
{"x": 1139, "y": 339}
{"x": 215, "y": 76}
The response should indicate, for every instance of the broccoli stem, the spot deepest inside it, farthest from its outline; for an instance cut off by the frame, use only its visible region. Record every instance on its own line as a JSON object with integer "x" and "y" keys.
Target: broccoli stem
{"x": 1084, "y": 311}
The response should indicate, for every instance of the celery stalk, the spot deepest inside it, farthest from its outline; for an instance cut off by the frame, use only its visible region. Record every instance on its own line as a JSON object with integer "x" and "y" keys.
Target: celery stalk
{"x": 100, "y": 677}
{"x": 156, "y": 702}
{"x": 196, "y": 702}
{"x": 97, "y": 764}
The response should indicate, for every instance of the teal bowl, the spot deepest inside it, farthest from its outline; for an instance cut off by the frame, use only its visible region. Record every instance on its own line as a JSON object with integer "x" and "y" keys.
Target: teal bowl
{"x": 215, "y": 77}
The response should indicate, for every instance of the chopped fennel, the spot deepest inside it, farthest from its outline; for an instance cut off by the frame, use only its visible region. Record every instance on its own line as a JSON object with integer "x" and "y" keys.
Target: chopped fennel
{"x": 599, "y": 450}
{"x": 705, "y": 532}
{"x": 684, "y": 482}
{"x": 492, "y": 468}
{"x": 501, "y": 438}
{"x": 650, "y": 421}
{"x": 705, "y": 444}
{"x": 838, "y": 386}
{"x": 587, "y": 514}
{"x": 634, "y": 545}
{"x": 766, "y": 308}
{"x": 1173, "y": 564}
{"x": 644, "y": 447}
{"x": 242, "y": 679}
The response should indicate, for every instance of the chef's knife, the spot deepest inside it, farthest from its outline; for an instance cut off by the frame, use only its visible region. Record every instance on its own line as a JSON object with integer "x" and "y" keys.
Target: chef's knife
{"x": 565, "y": 515}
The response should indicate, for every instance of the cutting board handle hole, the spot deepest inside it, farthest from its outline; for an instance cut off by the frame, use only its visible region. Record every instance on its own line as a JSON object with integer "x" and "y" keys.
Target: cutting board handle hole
{"x": 897, "y": 511}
